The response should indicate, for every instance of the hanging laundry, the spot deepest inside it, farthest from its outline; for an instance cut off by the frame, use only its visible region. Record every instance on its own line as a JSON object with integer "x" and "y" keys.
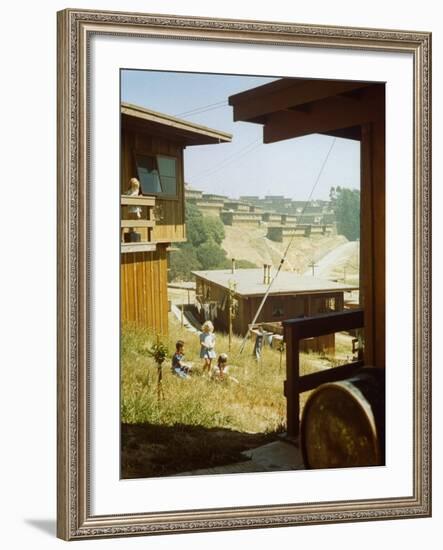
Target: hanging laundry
{"x": 258, "y": 346}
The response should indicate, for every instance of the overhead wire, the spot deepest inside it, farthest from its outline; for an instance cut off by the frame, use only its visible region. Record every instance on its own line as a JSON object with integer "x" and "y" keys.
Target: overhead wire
{"x": 204, "y": 108}
{"x": 236, "y": 156}
{"x": 283, "y": 259}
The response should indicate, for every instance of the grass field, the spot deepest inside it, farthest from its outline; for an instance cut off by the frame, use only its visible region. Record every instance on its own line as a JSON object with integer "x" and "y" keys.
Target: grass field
{"x": 200, "y": 422}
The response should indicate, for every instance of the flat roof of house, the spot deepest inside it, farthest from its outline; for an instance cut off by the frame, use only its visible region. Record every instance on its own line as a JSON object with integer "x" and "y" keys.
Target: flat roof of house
{"x": 249, "y": 282}
{"x": 168, "y": 125}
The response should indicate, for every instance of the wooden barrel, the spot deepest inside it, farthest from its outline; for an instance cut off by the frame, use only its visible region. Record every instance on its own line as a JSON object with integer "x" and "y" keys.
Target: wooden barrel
{"x": 343, "y": 423}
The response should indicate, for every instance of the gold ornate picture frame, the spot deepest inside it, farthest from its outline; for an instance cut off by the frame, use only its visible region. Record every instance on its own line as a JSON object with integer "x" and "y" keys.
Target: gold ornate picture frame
{"x": 76, "y": 28}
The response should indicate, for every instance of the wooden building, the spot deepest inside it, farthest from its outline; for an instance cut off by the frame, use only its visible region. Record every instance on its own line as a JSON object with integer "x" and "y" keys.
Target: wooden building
{"x": 210, "y": 207}
{"x": 272, "y": 218}
{"x": 289, "y": 108}
{"x": 152, "y": 146}
{"x": 241, "y": 219}
{"x": 237, "y": 206}
{"x": 291, "y": 296}
{"x": 191, "y": 194}
{"x": 281, "y": 233}
{"x": 288, "y": 219}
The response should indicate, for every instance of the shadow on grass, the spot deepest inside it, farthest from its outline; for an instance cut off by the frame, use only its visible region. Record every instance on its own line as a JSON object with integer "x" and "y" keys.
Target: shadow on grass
{"x": 149, "y": 450}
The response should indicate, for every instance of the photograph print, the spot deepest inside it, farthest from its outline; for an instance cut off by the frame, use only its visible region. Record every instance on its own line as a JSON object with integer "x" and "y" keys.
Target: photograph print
{"x": 252, "y": 273}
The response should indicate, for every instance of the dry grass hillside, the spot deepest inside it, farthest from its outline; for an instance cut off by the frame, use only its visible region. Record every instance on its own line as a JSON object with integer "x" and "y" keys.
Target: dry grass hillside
{"x": 202, "y": 423}
{"x": 251, "y": 244}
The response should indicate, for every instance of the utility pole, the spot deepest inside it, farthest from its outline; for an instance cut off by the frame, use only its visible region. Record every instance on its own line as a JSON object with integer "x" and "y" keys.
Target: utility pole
{"x": 232, "y": 310}
{"x": 313, "y": 265}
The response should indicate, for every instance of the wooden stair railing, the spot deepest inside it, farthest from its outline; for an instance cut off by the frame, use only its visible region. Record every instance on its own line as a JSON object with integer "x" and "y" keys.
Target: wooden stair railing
{"x": 310, "y": 327}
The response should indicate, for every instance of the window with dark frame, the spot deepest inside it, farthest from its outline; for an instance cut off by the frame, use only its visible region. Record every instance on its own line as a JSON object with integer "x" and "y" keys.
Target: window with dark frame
{"x": 157, "y": 174}
{"x": 277, "y": 308}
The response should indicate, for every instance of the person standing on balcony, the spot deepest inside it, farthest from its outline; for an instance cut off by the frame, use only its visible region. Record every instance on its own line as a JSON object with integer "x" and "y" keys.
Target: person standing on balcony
{"x": 134, "y": 191}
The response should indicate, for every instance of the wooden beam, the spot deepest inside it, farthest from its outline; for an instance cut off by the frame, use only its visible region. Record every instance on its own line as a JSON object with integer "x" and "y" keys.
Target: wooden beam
{"x": 353, "y": 132}
{"x": 137, "y": 247}
{"x": 137, "y": 223}
{"x": 312, "y": 381}
{"x": 327, "y": 115}
{"x": 137, "y": 201}
{"x": 287, "y": 94}
{"x": 327, "y": 323}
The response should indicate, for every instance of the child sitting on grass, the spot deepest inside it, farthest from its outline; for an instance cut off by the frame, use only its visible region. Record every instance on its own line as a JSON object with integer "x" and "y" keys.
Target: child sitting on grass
{"x": 220, "y": 370}
{"x": 179, "y": 367}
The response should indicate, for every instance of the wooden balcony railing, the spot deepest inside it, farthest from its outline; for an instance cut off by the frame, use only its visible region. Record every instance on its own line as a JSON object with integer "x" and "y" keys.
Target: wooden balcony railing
{"x": 309, "y": 327}
{"x": 143, "y": 225}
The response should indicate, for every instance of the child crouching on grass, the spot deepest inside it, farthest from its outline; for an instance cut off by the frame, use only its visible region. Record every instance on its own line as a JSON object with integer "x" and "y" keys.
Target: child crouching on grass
{"x": 220, "y": 370}
{"x": 179, "y": 367}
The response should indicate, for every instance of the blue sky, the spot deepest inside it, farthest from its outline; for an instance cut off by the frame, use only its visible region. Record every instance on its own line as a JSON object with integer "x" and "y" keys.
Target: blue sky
{"x": 246, "y": 166}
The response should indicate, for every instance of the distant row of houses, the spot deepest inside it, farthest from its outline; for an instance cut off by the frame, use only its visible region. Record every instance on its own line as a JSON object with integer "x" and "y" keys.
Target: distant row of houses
{"x": 282, "y": 216}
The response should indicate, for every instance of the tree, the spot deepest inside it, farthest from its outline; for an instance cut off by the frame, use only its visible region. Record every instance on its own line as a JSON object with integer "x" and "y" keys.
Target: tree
{"x": 347, "y": 212}
{"x": 182, "y": 262}
{"x": 200, "y": 229}
{"x": 196, "y": 232}
{"x": 214, "y": 229}
{"x": 212, "y": 256}
{"x": 203, "y": 248}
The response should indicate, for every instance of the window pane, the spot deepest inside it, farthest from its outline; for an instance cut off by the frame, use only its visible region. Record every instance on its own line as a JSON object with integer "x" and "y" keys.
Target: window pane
{"x": 168, "y": 185}
{"x": 166, "y": 166}
{"x": 167, "y": 169}
{"x": 148, "y": 175}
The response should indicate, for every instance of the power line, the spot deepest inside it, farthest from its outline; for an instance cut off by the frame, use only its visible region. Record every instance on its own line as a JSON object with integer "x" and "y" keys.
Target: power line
{"x": 238, "y": 155}
{"x": 203, "y": 111}
{"x": 283, "y": 259}
{"x": 203, "y": 108}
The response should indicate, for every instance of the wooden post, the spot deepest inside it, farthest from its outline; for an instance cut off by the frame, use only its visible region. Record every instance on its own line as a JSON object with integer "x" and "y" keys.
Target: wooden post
{"x": 229, "y": 322}
{"x": 366, "y": 242}
{"x": 232, "y": 304}
{"x": 160, "y": 394}
{"x": 378, "y": 203}
{"x": 292, "y": 388}
{"x": 372, "y": 238}
{"x": 281, "y": 349}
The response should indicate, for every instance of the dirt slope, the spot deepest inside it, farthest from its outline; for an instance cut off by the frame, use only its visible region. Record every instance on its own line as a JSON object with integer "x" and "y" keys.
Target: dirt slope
{"x": 251, "y": 244}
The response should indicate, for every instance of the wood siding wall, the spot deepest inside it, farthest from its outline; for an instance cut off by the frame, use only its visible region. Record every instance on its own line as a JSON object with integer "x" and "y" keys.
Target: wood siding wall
{"x": 143, "y": 289}
{"x": 170, "y": 213}
{"x": 291, "y": 306}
